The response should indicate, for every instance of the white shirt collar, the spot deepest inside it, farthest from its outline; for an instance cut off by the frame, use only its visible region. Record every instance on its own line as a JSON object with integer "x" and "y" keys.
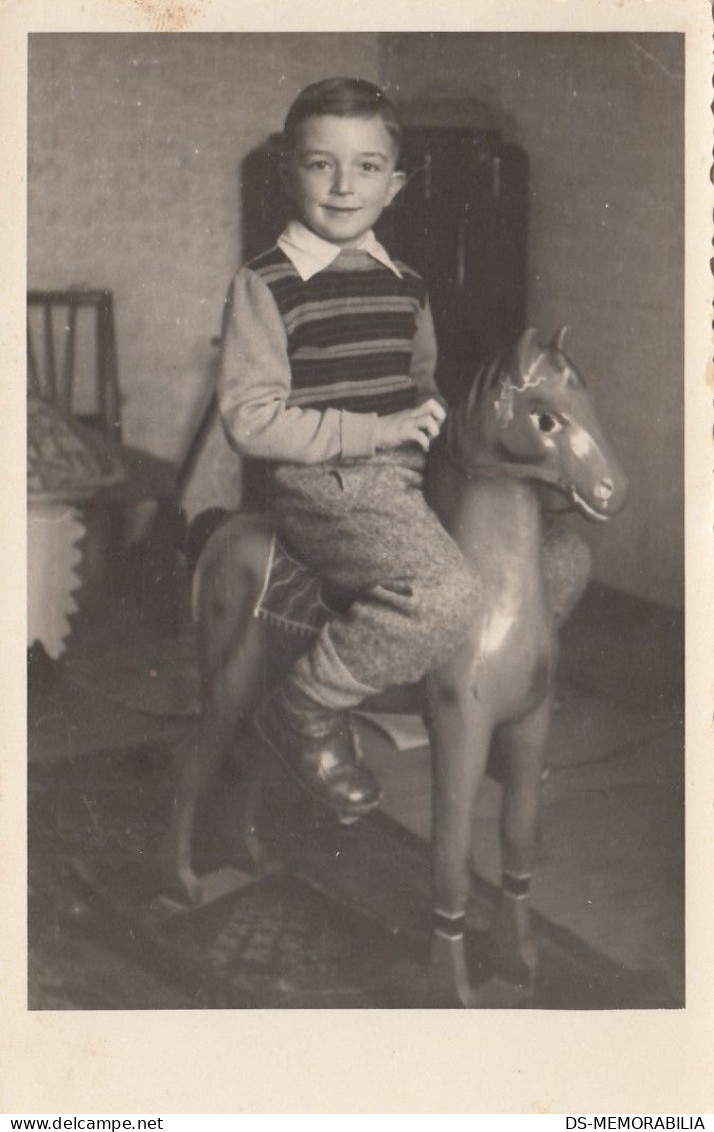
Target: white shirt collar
{"x": 310, "y": 254}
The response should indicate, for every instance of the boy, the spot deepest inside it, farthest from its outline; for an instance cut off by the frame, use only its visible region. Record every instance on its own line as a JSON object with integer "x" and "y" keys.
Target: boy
{"x": 327, "y": 371}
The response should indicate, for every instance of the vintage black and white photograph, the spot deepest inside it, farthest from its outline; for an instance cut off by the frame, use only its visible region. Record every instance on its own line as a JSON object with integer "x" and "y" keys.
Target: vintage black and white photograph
{"x": 355, "y": 501}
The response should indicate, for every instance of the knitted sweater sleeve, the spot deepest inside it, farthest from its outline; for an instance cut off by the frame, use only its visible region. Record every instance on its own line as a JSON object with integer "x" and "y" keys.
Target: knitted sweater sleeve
{"x": 424, "y": 356}
{"x": 254, "y": 385}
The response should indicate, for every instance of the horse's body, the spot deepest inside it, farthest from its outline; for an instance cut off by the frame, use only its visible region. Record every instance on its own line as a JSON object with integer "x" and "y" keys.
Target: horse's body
{"x": 523, "y": 424}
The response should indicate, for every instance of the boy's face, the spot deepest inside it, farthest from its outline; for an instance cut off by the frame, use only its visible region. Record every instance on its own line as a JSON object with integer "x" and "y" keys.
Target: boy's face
{"x": 340, "y": 175}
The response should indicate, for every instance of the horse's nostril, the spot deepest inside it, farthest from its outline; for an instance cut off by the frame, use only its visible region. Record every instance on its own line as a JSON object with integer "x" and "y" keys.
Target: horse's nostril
{"x": 604, "y": 489}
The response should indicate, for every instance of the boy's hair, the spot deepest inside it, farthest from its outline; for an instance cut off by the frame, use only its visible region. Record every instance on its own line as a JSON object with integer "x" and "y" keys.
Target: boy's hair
{"x": 345, "y": 98}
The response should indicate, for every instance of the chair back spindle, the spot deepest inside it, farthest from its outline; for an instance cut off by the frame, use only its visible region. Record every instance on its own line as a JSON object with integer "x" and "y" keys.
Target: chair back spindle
{"x": 59, "y": 339}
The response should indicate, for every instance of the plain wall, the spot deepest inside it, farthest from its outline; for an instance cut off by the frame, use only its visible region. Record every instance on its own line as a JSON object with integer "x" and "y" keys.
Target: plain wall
{"x": 601, "y": 118}
{"x": 135, "y": 149}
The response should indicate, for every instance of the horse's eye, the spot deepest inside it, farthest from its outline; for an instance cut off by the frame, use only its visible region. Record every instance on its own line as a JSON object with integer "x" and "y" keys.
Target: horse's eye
{"x": 546, "y": 422}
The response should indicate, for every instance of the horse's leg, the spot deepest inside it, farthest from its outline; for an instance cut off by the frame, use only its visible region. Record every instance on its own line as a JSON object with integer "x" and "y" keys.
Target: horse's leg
{"x": 460, "y": 733}
{"x": 230, "y": 652}
{"x": 197, "y": 757}
{"x": 242, "y": 683}
{"x": 523, "y": 746}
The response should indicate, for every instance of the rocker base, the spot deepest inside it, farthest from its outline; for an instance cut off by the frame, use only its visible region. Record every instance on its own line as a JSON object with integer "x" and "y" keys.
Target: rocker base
{"x": 343, "y": 922}
{"x": 214, "y": 886}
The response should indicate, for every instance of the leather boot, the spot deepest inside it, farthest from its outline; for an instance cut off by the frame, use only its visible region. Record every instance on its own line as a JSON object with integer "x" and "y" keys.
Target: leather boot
{"x": 319, "y": 748}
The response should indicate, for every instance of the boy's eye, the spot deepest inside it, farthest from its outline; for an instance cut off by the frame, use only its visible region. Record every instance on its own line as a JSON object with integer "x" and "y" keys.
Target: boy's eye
{"x": 370, "y": 167}
{"x": 318, "y": 163}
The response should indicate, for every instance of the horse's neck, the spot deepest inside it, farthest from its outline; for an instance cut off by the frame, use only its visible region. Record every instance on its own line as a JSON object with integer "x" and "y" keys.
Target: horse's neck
{"x": 496, "y": 520}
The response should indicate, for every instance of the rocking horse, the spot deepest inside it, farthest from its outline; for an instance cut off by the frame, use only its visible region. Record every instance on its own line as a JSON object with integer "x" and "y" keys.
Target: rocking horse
{"x": 526, "y": 423}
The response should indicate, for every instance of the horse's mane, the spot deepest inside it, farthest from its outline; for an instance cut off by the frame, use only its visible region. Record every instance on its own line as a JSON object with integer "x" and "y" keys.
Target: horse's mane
{"x": 490, "y": 375}
{"x": 489, "y": 381}
{"x": 496, "y": 380}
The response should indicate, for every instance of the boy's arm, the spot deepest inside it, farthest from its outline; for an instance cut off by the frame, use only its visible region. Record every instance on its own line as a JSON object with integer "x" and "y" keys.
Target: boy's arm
{"x": 254, "y": 384}
{"x": 424, "y": 355}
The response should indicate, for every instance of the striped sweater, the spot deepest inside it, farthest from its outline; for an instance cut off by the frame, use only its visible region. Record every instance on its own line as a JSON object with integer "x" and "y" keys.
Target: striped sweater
{"x": 350, "y": 330}
{"x": 308, "y": 364}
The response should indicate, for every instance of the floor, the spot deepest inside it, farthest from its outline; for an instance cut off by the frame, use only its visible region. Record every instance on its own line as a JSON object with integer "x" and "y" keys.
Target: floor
{"x": 611, "y": 855}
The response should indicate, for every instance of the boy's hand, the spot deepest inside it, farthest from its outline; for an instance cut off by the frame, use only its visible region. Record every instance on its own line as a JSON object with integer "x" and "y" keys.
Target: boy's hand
{"x": 412, "y": 426}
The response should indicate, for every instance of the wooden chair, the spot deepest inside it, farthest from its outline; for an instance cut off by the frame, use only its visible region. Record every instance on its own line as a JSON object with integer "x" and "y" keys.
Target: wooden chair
{"x": 72, "y": 364}
{"x": 58, "y": 383}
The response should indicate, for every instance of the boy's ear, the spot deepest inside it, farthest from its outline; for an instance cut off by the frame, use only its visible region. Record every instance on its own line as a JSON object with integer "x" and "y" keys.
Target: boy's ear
{"x": 397, "y": 183}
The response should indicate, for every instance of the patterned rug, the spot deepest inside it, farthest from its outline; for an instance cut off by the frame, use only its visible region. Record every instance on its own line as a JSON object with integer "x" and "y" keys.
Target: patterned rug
{"x": 341, "y": 921}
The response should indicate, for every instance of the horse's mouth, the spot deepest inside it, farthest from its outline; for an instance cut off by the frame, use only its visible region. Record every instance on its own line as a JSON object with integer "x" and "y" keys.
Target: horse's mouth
{"x": 588, "y": 511}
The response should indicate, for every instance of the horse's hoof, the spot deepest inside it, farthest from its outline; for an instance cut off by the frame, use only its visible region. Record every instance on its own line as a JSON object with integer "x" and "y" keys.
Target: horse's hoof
{"x": 451, "y": 997}
{"x": 513, "y": 975}
{"x": 177, "y": 882}
{"x": 499, "y": 994}
{"x": 257, "y": 858}
{"x": 496, "y": 993}
{"x": 251, "y": 847}
{"x": 512, "y": 947}
{"x": 191, "y": 886}
{"x": 518, "y": 967}
{"x": 449, "y": 977}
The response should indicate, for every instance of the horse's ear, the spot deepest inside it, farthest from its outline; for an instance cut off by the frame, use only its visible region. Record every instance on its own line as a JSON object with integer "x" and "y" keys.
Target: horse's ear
{"x": 559, "y": 337}
{"x": 526, "y": 350}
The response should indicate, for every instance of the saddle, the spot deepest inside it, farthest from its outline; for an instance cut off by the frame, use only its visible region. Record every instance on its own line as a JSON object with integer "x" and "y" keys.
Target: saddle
{"x": 292, "y": 597}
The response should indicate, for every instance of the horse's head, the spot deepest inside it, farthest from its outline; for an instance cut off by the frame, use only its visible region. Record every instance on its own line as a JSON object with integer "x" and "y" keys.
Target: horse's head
{"x": 530, "y": 414}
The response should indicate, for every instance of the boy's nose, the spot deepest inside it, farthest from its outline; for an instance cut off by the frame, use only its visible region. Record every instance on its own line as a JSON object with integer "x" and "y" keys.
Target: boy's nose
{"x": 342, "y": 182}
